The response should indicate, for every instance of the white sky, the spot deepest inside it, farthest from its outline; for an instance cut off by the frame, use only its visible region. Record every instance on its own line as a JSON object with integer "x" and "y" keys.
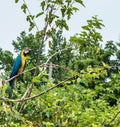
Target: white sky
{"x": 13, "y": 20}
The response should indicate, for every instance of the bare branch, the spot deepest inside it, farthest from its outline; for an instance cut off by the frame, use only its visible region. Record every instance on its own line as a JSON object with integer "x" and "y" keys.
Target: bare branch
{"x": 57, "y": 53}
{"x": 5, "y": 81}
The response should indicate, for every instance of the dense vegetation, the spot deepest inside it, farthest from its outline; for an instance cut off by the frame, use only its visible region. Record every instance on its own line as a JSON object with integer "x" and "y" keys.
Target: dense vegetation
{"x": 73, "y": 83}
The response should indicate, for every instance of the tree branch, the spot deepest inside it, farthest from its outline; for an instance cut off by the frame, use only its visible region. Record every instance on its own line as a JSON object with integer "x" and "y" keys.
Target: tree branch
{"x": 56, "y": 54}
{"x": 31, "y": 14}
{"x": 29, "y": 90}
{"x": 116, "y": 115}
{"x": 35, "y": 96}
{"x": 44, "y": 38}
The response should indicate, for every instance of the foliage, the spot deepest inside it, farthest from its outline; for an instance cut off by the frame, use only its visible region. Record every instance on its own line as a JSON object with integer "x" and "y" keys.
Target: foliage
{"x": 89, "y": 100}
{"x": 62, "y": 59}
{"x": 55, "y": 12}
{"x": 87, "y": 44}
{"x": 4, "y": 57}
{"x": 31, "y": 41}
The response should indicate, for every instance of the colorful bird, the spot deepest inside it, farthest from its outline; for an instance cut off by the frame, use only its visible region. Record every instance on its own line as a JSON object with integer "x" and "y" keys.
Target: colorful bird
{"x": 18, "y": 67}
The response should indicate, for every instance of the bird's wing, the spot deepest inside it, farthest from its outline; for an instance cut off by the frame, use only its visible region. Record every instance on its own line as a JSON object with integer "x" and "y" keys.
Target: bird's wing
{"x": 16, "y": 66}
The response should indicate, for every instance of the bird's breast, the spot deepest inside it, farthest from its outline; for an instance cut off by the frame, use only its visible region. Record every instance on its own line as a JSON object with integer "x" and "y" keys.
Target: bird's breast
{"x": 23, "y": 64}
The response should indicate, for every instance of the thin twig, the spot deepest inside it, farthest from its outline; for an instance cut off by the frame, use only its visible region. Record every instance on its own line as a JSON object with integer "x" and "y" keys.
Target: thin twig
{"x": 56, "y": 54}
{"x": 41, "y": 65}
{"x": 31, "y": 14}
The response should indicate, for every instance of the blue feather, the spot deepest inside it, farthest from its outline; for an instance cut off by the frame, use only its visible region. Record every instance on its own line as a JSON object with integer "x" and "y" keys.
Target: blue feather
{"x": 16, "y": 66}
{"x": 15, "y": 69}
{"x": 11, "y": 88}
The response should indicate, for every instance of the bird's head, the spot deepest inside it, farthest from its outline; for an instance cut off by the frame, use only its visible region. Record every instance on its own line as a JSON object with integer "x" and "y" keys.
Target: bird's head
{"x": 27, "y": 51}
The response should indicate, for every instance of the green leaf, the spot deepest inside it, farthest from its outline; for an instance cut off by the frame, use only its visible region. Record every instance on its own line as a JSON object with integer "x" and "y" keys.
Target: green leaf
{"x": 43, "y": 5}
{"x": 48, "y": 124}
{"x": 86, "y": 28}
{"x": 81, "y": 2}
{"x": 36, "y": 79}
{"x": 52, "y": 17}
{"x": 39, "y": 14}
{"x": 16, "y": 1}
{"x": 59, "y": 2}
{"x": 69, "y": 13}
{"x": 32, "y": 25}
{"x": 63, "y": 10}
{"x": 24, "y": 7}
{"x": 62, "y": 24}
{"x": 75, "y": 9}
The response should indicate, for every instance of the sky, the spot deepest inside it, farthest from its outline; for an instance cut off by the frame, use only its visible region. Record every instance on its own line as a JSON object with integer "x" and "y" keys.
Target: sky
{"x": 13, "y": 20}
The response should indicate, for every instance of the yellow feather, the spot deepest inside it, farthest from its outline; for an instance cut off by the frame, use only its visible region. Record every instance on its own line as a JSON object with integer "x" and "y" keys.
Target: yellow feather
{"x": 23, "y": 62}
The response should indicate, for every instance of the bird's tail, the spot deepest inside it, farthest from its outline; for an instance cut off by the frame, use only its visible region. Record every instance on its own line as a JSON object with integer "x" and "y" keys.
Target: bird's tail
{"x": 11, "y": 88}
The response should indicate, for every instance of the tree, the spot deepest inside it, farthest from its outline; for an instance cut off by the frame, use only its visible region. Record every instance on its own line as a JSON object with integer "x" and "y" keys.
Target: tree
{"x": 62, "y": 59}
{"x": 90, "y": 94}
{"x": 55, "y": 13}
{"x": 6, "y": 60}
{"x": 87, "y": 44}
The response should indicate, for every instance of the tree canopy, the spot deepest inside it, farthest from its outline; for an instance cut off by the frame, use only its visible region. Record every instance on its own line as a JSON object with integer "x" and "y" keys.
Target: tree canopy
{"x": 66, "y": 83}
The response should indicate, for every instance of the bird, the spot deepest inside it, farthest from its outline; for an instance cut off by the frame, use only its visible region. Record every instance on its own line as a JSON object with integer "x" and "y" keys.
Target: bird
{"x": 18, "y": 67}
